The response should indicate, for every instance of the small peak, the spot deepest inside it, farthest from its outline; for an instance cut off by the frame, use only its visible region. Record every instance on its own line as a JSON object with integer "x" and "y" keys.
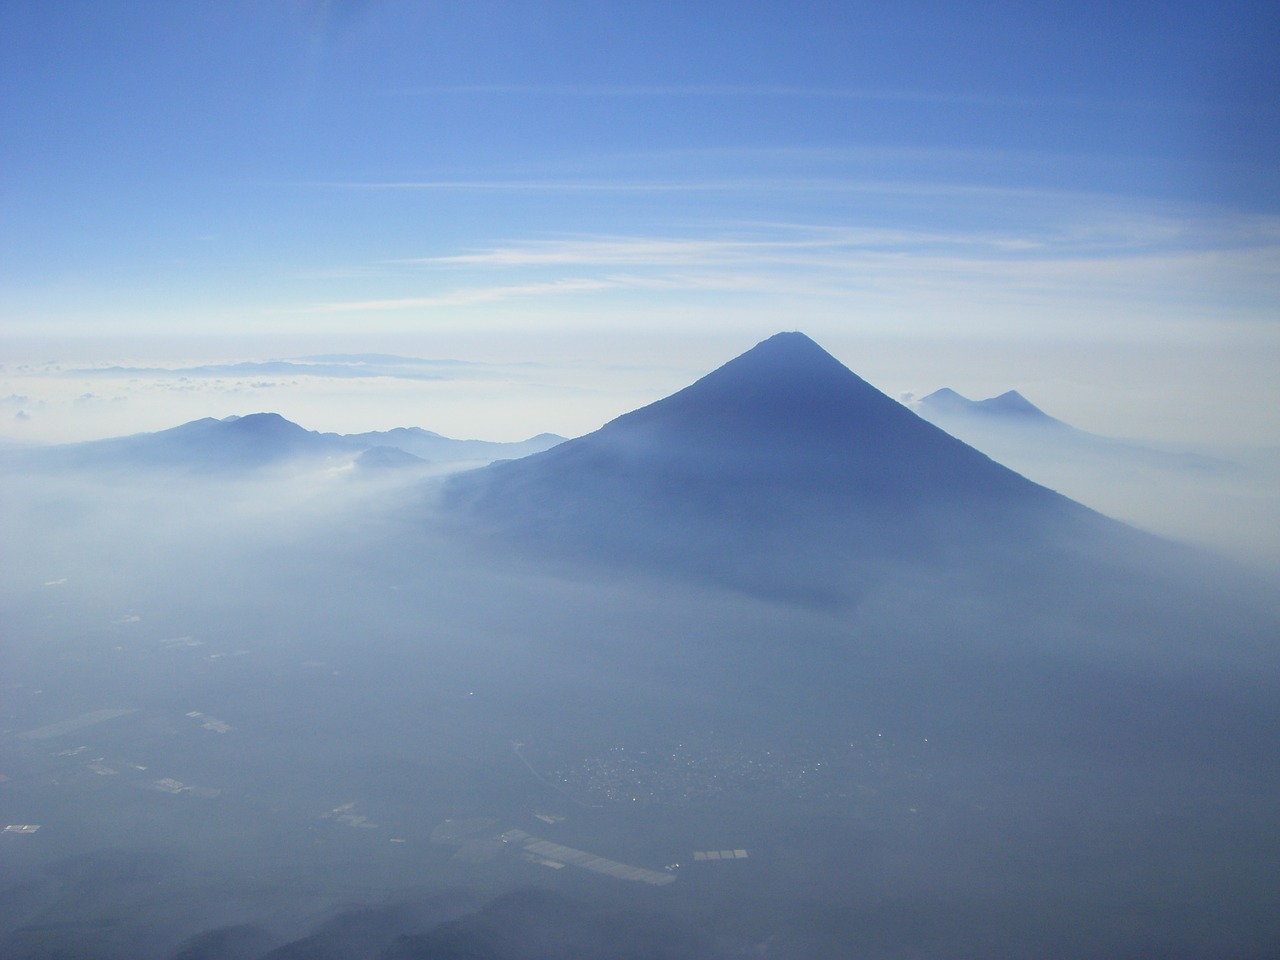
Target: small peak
{"x": 387, "y": 458}
{"x": 1011, "y": 402}
{"x": 264, "y": 423}
{"x": 946, "y": 400}
{"x": 945, "y": 395}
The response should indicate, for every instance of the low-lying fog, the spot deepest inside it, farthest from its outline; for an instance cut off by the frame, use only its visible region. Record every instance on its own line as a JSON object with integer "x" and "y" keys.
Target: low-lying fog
{"x": 1225, "y": 499}
{"x": 283, "y": 714}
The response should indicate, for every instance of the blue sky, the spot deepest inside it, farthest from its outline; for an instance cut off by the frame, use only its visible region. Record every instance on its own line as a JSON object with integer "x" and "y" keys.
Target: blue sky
{"x": 1077, "y": 200}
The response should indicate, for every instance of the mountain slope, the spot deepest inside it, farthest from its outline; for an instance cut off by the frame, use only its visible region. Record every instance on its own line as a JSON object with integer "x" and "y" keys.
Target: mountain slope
{"x": 781, "y": 471}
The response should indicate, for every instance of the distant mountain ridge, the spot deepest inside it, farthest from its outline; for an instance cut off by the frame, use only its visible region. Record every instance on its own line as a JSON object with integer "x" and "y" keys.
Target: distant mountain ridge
{"x": 259, "y": 440}
{"x": 208, "y": 444}
{"x": 437, "y": 448}
{"x": 1015, "y": 431}
{"x": 1010, "y": 406}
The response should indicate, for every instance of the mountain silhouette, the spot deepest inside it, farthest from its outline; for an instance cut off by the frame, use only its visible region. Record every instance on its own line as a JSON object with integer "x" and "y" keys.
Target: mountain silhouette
{"x": 780, "y": 472}
{"x": 1015, "y": 431}
{"x": 427, "y": 445}
{"x": 207, "y": 445}
{"x": 246, "y": 443}
{"x": 1009, "y": 407}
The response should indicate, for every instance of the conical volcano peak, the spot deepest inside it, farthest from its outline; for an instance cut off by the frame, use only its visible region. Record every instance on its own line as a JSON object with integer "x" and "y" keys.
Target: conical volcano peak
{"x": 786, "y": 385}
{"x": 1012, "y": 402}
{"x": 783, "y": 355}
{"x": 792, "y": 345}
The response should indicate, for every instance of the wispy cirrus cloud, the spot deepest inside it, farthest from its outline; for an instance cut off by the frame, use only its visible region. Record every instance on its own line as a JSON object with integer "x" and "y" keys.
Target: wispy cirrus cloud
{"x": 1103, "y": 233}
{"x": 1152, "y": 258}
{"x": 682, "y": 251}
{"x": 329, "y": 366}
{"x": 610, "y": 185}
{"x": 800, "y": 183}
{"x": 878, "y": 95}
{"x": 799, "y": 246}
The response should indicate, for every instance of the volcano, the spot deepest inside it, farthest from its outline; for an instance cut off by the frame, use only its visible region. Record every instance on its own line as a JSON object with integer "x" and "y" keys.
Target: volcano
{"x": 1010, "y": 407}
{"x": 780, "y": 472}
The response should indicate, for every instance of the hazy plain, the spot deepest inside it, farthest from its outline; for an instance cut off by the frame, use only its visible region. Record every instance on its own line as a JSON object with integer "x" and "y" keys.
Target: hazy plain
{"x": 318, "y": 674}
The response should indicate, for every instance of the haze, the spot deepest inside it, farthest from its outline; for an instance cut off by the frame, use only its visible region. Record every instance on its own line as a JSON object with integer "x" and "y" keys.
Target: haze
{"x": 476, "y": 481}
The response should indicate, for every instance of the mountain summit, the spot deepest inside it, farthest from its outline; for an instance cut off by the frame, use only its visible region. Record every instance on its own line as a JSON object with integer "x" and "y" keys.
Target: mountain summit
{"x": 780, "y": 472}
{"x": 1010, "y": 408}
{"x": 787, "y": 410}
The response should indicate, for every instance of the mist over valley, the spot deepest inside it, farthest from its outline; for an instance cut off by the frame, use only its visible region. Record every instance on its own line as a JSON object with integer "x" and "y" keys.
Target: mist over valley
{"x": 418, "y": 543}
{"x": 1223, "y": 497}
{"x": 769, "y": 668}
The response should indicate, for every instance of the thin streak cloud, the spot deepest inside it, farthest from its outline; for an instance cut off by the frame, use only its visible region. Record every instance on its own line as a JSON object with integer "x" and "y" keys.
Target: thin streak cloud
{"x": 594, "y": 186}
{"x": 658, "y": 251}
{"x": 762, "y": 185}
{"x": 1252, "y": 244}
{"x": 1178, "y": 277}
{"x": 783, "y": 91}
